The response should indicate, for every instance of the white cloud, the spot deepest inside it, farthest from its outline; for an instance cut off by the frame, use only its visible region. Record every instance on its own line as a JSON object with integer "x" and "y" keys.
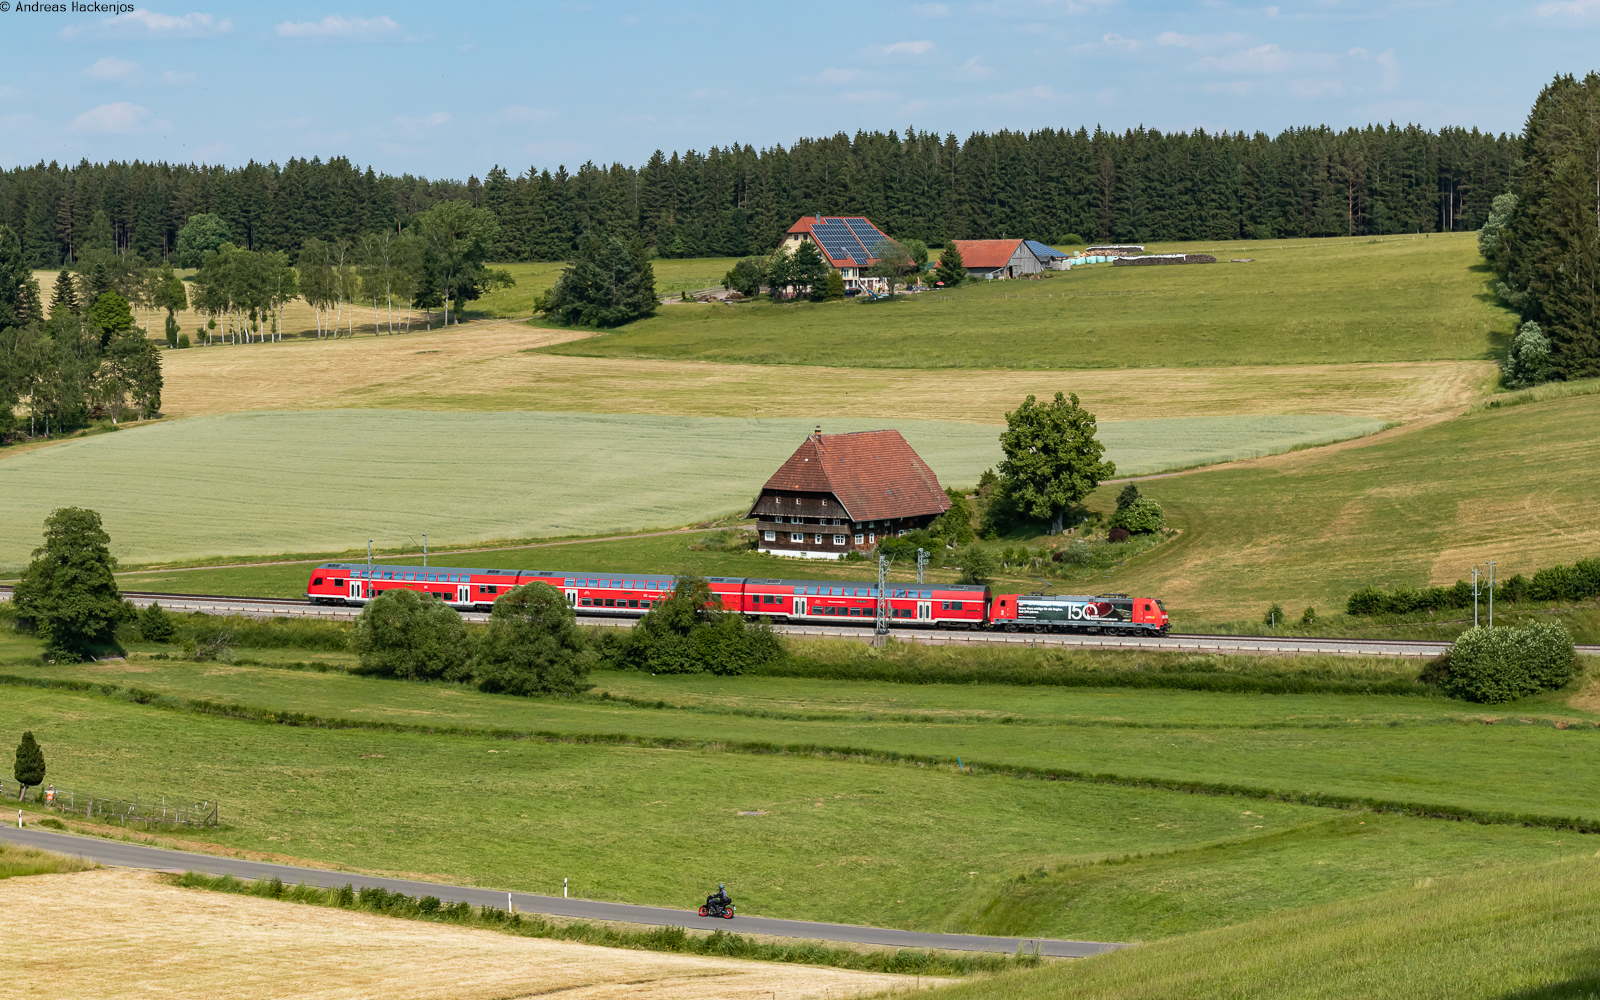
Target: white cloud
{"x": 1568, "y": 8}
{"x": 120, "y": 118}
{"x": 1201, "y": 43}
{"x": 415, "y": 126}
{"x": 1115, "y": 41}
{"x": 337, "y": 26}
{"x": 10, "y": 93}
{"x": 145, "y": 23}
{"x": 523, "y": 113}
{"x": 972, "y": 70}
{"x": 177, "y": 79}
{"x": 1267, "y": 58}
{"x": 909, "y": 48}
{"x": 112, "y": 68}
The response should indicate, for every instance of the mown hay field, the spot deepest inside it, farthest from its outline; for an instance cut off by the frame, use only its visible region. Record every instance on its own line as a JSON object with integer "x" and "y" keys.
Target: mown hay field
{"x": 494, "y": 366}
{"x": 67, "y": 933}
{"x": 273, "y": 482}
{"x": 1419, "y": 507}
{"x": 1300, "y": 301}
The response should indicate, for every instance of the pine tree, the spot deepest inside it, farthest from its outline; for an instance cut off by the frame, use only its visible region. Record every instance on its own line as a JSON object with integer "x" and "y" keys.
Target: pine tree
{"x": 68, "y": 594}
{"x": 951, "y": 270}
{"x": 99, "y": 235}
{"x": 29, "y": 767}
{"x": 19, "y": 290}
{"x": 64, "y": 297}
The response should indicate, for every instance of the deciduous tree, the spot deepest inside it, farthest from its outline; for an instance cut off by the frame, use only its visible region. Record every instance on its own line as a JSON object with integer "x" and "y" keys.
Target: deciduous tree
{"x": 403, "y": 634}
{"x": 532, "y": 645}
{"x": 68, "y": 594}
{"x": 1053, "y": 459}
{"x": 202, "y": 234}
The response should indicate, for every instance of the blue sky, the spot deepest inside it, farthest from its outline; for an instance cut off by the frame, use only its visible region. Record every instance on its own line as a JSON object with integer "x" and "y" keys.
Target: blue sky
{"x": 448, "y": 89}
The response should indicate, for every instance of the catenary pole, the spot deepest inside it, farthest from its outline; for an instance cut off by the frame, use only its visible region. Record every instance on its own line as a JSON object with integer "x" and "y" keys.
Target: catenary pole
{"x": 1474, "y": 597}
{"x": 1491, "y": 593}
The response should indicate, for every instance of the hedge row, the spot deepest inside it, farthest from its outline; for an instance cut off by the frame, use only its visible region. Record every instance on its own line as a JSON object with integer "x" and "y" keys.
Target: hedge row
{"x": 1578, "y": 582}
{"x": 376, "y": 899}
{"x": 1396, "y": 806}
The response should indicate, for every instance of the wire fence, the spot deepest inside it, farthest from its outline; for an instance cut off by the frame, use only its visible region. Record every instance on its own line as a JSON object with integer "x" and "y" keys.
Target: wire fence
{"x": 158, "y": 810}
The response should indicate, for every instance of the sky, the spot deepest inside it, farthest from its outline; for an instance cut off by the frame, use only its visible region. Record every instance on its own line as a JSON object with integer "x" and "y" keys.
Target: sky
{"x": 452, "y": 89}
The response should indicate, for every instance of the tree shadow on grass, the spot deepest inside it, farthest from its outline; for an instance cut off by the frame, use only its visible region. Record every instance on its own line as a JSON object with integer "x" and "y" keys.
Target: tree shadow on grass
{"x": 1584, "y": 987}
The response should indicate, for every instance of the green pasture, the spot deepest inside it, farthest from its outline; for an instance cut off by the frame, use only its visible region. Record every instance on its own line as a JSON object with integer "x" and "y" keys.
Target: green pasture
{"x": 1420, "y": 508}
{"x": 833, "y": 839}
{"x": 1424, "y": 751}
{"x": 967, "y": 851}
{"x": 1524, "y": 933}
{"x": 1300, "y": 301}
{"x": 277, "y": 481}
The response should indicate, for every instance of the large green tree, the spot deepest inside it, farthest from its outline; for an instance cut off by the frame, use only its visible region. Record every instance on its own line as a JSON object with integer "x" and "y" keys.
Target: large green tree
{"x": 403, "y": 634}
{"x": 606, "y": 284}
{"x": 458, "y": 239}
{"x": 532, "y": 645}
{"x": 950, "y": 271}
{"x": 1053, "y": 459}
{"x": 808, "y": 269}
{"x": 691, "y": 633}
{"x": 19, "y": 290}
{"x": 202, "y": 234}
{"x": 893, "y": 264}
{"x": 1547, "y": 249}
{"x": 68, "y": 594}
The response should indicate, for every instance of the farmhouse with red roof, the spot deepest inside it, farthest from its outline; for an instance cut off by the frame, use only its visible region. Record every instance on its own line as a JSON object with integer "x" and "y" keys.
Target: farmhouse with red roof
{"x": 846, "y": 243}
{"x": 998, "y": 258}
{"x": 843, "y": 492}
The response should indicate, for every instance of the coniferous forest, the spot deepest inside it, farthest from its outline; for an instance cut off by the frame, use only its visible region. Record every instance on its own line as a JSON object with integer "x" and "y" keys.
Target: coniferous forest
{"x": 1141, "y": 185}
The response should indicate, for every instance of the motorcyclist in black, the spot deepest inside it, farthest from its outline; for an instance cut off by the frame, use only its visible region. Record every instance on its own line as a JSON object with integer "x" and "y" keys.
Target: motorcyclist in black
{"x": 720, "y": 897}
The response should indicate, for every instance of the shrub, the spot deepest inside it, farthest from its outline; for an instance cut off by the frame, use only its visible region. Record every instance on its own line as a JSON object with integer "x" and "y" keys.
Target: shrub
{"x": 1072, "y": 240}
{"x": 1308, "y": 616}
{"x": 402, "y": 634}
{"x": 532, "y": 646}
{"x": 1118, "y": 535}
{"x": 690, "y": 633}
{"x": 155, "y": 625}
{"x": 1142, "y": 515}
{"x": 977, "y": 565}
{"x": 1274, "y": 615}
{"x": 1528, "y": 362}
{"x": 1503, "y": 664}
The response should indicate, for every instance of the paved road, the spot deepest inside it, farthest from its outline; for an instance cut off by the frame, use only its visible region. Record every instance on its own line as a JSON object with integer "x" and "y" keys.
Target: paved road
{"x": 124, "y": 855}
{"x": 262, "y": 607}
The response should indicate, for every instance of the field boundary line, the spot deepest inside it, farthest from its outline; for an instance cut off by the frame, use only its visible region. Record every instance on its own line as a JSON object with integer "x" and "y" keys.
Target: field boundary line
{"x": 248, "y": 713}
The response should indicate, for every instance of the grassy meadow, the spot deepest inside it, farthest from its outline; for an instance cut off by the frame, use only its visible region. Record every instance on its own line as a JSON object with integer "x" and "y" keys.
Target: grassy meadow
{"x": 978, "y": 851}
{"x": 1299, "y": 301}
{"x": 329, "y": 480}
{"x": 1525, "y": 933}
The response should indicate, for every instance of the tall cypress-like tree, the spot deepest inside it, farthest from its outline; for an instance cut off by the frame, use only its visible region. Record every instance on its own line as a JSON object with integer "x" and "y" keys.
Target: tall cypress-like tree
{"x": 29, "y": 767}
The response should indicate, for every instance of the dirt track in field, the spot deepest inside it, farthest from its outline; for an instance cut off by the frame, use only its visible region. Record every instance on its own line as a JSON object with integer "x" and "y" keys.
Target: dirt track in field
{"x": 120, "y": 934}
{"x": 488, "y": 366}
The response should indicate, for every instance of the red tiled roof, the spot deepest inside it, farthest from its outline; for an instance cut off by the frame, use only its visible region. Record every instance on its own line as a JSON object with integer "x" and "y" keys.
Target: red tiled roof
{"x": 986, "y": 253}
{"x": 875, "y": 475}
{"x": 805, "y": 224}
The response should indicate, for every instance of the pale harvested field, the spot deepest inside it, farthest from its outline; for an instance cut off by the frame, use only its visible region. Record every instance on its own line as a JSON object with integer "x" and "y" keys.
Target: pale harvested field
{"x": 119, "y": 934}
{"x": 484, "y": 366}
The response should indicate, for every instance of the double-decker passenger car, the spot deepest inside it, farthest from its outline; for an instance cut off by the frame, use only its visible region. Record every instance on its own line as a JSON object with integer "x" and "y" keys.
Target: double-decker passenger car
{"x": 357, "y": 583}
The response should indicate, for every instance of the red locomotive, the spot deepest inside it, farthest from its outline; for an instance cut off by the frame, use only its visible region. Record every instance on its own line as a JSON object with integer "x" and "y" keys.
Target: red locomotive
{"x": 832, "y": 602}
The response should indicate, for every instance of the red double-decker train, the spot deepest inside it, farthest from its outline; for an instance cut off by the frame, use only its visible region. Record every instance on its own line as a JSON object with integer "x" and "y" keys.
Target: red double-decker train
{"x": 833, "y": 602}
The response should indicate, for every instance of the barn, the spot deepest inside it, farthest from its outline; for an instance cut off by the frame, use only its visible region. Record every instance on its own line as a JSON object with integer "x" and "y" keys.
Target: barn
{"x": 998, "y": 258}
{"x": 844, "y": 492}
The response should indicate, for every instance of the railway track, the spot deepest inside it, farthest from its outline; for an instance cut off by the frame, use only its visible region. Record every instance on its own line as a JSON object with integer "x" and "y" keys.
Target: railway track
{"x": 1268, "y": 645}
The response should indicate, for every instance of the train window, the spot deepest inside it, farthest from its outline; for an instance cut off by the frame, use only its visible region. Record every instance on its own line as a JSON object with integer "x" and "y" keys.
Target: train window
{"x": 616, "y": 584}
{"x": 829, "y": 611}
{"x": 611, "y": 602}
{"x": 317, "y": 582}
{"x": 387, "y": 575}
{"x": 947, "y": 605}
{"x": 588, "y": 602}
{"x": 633, "y": 604}
{"x": 855, "y": 612}
{"x": 955, "y": 605}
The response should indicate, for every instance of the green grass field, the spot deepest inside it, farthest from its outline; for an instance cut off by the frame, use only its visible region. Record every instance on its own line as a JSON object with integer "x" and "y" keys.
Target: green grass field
{"x": 1526, "y": 933}
{"x": 329, "y": 480}
{"x": 1320, "y": 301}
{"x": 982, "y": 852}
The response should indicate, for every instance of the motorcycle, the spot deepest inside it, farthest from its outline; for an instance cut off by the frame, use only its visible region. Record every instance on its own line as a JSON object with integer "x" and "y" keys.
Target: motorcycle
{"x": 716, "y": 908}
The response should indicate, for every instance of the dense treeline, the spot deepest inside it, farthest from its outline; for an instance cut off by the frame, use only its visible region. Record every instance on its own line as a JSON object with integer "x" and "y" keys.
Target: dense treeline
{"x": 1140, "y": 185}
{"x": 1543, "y": 238}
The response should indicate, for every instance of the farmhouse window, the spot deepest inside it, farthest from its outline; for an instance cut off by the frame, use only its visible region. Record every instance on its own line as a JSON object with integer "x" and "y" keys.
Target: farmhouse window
{"x": 872, "y": 538}
{"x": 769, "y": 536}
{"x": 795, "y": 536}
{"x": 818, "y": 538}
{"x": 860, "y": 539}
{"x": 838, "y": 539}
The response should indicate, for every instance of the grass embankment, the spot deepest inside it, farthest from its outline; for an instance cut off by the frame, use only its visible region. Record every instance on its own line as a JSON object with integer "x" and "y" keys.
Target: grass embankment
{"x": 1327, "y": 300}
{"x": 1418, "y": 508}
{"x": 16, "y": 860}
{"x": 1526, "y": 932}
{"x": 902, "y": 962}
